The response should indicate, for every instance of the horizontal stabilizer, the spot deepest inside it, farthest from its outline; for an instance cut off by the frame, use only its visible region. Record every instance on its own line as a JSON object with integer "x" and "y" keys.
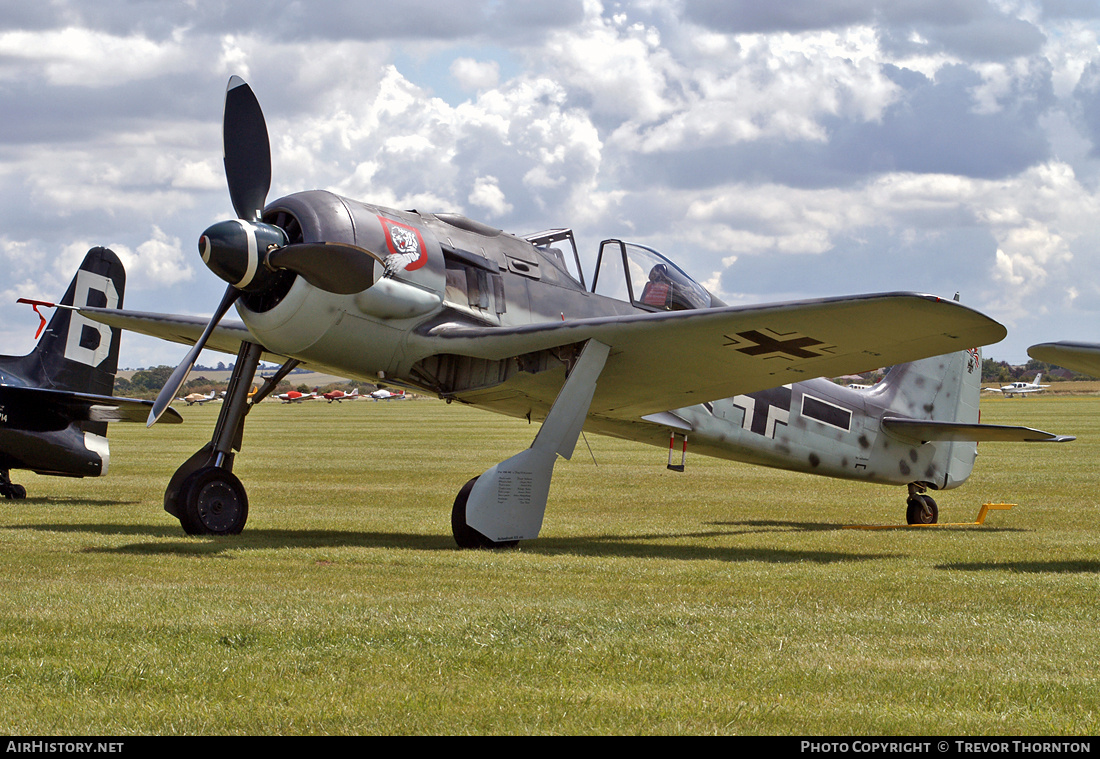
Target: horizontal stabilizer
{"x": 924, "y": 430}
{"x": 42, "y": 410}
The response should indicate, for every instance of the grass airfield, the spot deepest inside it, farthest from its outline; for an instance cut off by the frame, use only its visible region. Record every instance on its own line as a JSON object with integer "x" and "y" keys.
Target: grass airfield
{"x": 725, "y": 600}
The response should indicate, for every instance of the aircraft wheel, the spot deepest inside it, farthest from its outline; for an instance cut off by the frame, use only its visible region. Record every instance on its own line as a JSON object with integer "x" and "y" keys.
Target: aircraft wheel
{"x": 13, "y": 491}
{"x": 921, "y": 509}
{"x": 465, "y": 535}
{"x": 213, "y": 502}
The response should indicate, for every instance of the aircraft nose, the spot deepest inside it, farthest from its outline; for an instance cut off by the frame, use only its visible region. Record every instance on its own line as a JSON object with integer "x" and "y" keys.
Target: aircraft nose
{"x": 235, "y": 250}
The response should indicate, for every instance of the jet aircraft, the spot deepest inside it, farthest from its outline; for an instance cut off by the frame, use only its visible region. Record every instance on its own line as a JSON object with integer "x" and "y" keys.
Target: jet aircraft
{"x": 56, "y": 402}
{"x": 448, "y": 306}
{"x": 1022, "y": 389}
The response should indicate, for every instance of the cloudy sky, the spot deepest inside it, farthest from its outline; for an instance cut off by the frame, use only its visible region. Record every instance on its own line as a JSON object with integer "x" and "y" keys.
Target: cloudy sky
{"x": 788, "y": 150}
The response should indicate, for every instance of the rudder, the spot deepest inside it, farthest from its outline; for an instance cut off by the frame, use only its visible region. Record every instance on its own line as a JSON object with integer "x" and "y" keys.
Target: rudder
{"x": 75, "y": 353}
{"x": 947, "y": 389}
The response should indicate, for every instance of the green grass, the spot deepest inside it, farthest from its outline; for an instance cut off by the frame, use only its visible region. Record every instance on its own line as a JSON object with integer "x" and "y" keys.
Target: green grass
{"x": 725, "y": 600}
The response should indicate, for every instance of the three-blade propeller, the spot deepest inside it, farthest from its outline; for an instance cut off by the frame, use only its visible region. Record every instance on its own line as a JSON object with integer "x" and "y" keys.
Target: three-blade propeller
{"x": 246, "y": 252}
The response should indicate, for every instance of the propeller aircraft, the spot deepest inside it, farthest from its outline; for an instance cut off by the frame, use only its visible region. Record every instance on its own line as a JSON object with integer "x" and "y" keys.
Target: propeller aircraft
{"x": 444, "y": 305}
{"x": 295, "y": 396}
{"x": 1023, "y": 389}
{"x": 340, "y": 396}
{"x": 192, "y": 398}
{"x": 56, "y": 402}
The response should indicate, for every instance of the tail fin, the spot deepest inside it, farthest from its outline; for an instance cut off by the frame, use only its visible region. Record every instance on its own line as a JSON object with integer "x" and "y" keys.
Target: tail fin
{"x": 942, "y": 389}
{"x": 75, "y": 353}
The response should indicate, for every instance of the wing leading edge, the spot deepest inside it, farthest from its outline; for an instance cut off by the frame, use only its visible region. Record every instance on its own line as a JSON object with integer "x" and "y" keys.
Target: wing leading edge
{"x": 1080, "y": 357}
{"x": 670, "y": 360}
{"x": 226, "y": 338}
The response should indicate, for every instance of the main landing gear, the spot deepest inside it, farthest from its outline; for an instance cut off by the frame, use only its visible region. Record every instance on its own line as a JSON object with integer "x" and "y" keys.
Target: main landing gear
{"x": 204, "y": 494}
{"x": 9, "y": 489}
{"x": 920, "y": 508}
{"x": 506, "y": 503}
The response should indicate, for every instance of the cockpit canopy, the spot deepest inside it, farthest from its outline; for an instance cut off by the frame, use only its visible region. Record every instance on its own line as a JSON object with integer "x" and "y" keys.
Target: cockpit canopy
{"x": 647, "y": 279}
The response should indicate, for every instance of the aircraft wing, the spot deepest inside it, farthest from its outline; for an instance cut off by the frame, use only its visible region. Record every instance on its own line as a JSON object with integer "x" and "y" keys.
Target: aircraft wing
{"x": 42, "y": 410}
{"x": 924, "y": 430}
{"x": 227, "y": 336}
{"x": 1080, "y": 357}
{"x": 668, "y": 360}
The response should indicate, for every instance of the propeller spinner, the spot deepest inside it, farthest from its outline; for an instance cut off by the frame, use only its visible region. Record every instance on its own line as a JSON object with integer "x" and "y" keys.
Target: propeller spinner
{"x": 246, "y": 252}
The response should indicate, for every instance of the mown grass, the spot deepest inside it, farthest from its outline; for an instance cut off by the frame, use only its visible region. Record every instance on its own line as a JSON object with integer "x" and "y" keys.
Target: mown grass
{"x": 728, "y": 599}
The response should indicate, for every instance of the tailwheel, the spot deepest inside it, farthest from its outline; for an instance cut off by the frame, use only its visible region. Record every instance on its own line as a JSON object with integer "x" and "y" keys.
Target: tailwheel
{"x": 212, "y": 501}
{"x": 921, "y": 509}
{"x": 465, "y": 535}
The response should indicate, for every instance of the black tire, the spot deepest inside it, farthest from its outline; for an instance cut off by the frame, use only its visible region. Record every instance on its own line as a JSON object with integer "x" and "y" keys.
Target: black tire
{"x": 921, "y": 509}
{"x": 212, "y": 501}
{"x": 465, "y": 535}
{"x": 13, "y": 491}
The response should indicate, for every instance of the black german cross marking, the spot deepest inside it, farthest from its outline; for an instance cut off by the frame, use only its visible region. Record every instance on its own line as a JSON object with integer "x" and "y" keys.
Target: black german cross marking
{"x": 795, "y": 347}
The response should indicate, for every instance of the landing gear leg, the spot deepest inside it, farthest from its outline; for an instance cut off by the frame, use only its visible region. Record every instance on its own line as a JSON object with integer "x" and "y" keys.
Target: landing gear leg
{"x": 204, "y": 494}
{"x": 920, "y": 508}
{"x": 9, "y": 489}
{"x": 506, "y": 503}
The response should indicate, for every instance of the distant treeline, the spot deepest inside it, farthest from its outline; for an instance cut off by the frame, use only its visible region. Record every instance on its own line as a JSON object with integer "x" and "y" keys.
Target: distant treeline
{"x": 1002, "y": 371}
{"x": 146, "y": 383}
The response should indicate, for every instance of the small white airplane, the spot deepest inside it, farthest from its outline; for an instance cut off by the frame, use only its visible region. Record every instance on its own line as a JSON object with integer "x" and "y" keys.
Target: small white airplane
{"x": 198, "y": 398}
{"x": 1020, "y": 388}
{"x": 340, "y": 396}
{"x": 382, "y": 394}
{"x": 451, "y": 307}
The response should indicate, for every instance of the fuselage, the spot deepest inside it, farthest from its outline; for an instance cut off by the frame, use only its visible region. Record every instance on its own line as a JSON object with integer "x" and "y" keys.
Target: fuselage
{"x": 459, "y": 273}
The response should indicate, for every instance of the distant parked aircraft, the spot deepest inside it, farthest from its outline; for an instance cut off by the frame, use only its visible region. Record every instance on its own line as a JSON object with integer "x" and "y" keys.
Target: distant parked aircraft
{"x": 198, "y": 398}
{"x": 1020, "y": 388}
{"x": 340, "y": 395}
{"x": 294, "y": 396}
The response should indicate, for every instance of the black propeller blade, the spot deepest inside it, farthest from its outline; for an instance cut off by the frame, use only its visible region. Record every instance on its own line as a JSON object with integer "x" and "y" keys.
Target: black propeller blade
{"x": 248, "y": 171}
{"x": 247, "y": 150}
{"x": 333, "y": 267}
{"x": 179, "y": 376}
{"x": 245, "y": 252}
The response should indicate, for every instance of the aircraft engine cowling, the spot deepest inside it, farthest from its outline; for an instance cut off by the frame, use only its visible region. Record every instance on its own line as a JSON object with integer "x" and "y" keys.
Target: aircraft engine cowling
{"x": 408, "y": 271}
{"x": 411, "y": 281}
